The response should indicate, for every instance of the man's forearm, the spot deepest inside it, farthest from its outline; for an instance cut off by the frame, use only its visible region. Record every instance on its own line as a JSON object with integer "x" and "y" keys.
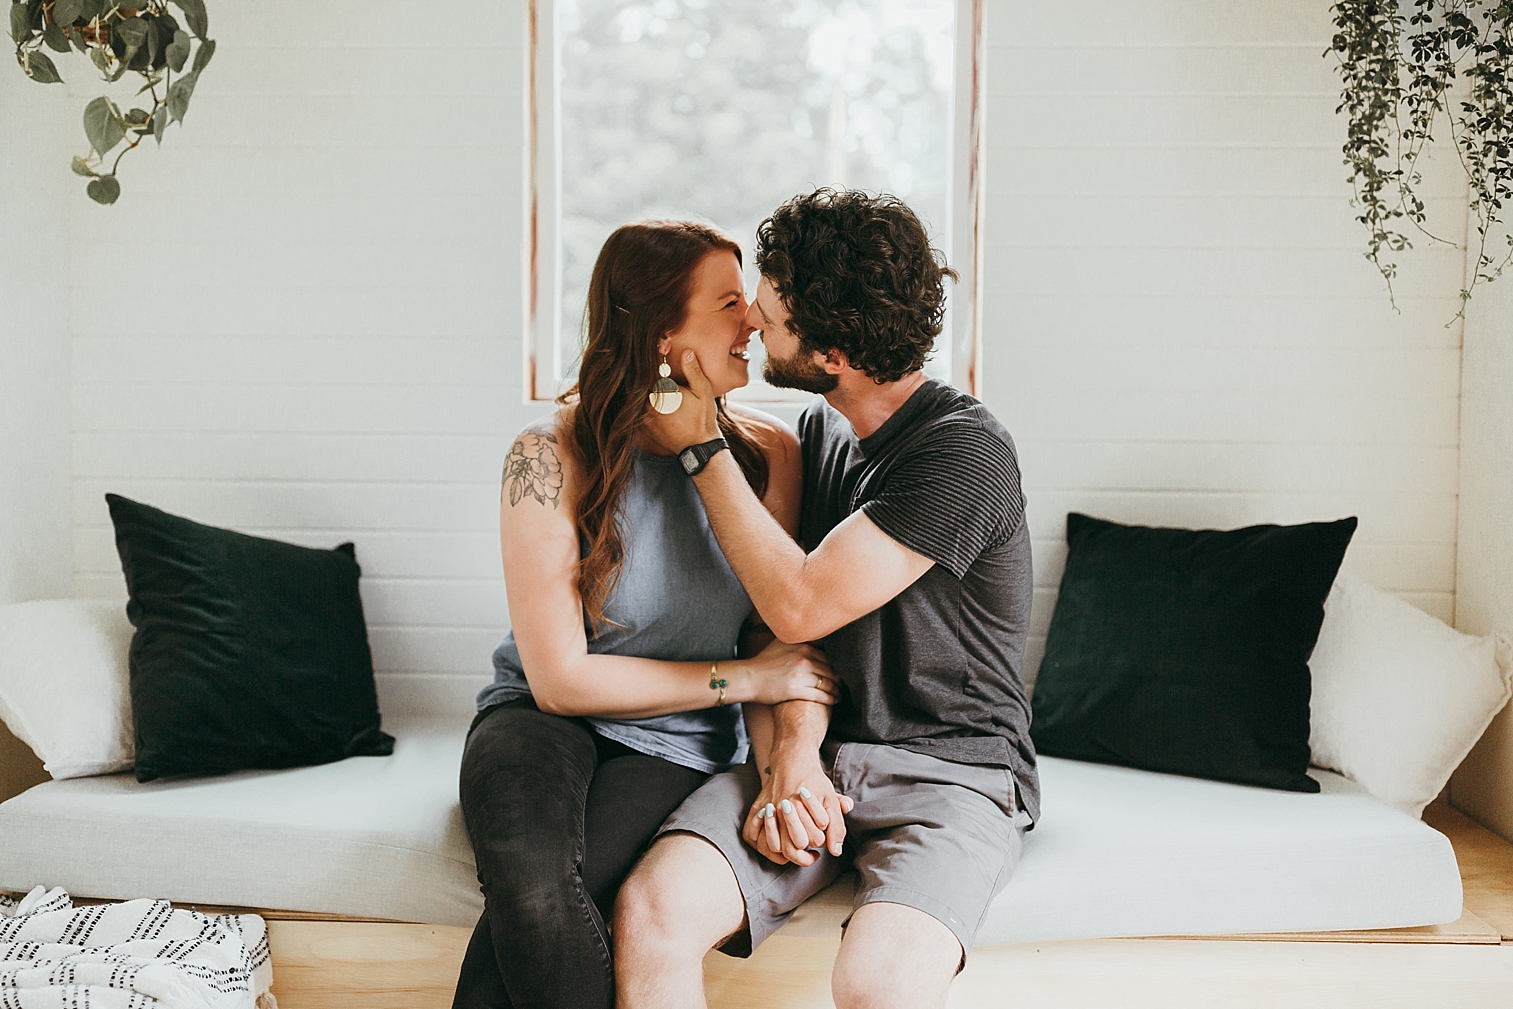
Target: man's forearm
{"x": 798, "y": 729}
{"x": 764, "y": 557}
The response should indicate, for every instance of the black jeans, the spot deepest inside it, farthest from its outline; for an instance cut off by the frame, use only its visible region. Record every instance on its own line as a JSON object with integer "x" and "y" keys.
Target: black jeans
{"x": 558, "y": 816}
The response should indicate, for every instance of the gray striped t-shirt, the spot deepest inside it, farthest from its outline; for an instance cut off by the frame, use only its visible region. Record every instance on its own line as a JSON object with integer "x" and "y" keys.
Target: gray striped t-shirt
{"x": 937, "y": 668}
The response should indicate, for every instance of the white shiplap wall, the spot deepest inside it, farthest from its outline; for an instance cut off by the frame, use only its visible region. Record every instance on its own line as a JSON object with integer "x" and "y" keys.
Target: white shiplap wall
{"x": 330, "y": 346}
{"x": 34, "y": 413}
{"x": 1179, "y": 327}
{"x": 1178, "y": 324}
{"x": 1484, "y": 582}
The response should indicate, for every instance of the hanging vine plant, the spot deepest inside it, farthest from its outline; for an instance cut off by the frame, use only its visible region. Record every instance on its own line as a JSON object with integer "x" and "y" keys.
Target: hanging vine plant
{"x": 142, "y": 37}
{"x": 1405, "y": 75}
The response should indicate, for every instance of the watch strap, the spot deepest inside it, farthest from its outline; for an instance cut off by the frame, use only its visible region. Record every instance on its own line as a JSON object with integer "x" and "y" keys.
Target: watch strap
{"x": 695, "y": 457}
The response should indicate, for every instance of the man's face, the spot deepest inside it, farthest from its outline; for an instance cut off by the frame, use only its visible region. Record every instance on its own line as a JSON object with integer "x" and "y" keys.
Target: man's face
{"x": 788, "y": 366}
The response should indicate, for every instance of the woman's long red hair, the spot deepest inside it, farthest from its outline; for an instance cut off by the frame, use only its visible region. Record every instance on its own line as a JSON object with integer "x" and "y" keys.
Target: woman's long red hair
{"x": 638, "y": 293}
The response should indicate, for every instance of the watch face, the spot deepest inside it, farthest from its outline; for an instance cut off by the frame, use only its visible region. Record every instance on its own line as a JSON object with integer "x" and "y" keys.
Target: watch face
{"x": 690, "y": 460}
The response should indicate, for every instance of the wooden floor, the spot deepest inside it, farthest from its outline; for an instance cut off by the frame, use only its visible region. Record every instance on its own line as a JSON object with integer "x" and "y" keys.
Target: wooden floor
{"x": 386, "y": 965}
{"x": 415, "y": 967}
{"x": 324, "y": 964}
{"x": 1486, "y": 866}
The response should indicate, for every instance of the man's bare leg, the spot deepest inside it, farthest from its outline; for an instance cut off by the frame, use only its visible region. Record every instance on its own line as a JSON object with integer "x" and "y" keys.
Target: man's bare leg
{"x": 681, "y": 900}
{"x": 894, "y": 956}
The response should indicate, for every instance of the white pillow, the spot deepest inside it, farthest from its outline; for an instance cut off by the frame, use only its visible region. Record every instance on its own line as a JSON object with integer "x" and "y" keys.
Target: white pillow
{"x": 1399, "y": 698}
{"x": 64, "y": 683}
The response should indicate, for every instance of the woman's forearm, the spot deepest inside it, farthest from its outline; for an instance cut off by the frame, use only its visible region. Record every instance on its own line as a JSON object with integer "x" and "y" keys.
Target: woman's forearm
{"x": 759, "y": 731}
{"x": 620, "y": 686}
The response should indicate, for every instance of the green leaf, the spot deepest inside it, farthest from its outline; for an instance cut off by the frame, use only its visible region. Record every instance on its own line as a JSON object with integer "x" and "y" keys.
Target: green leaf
{"x": 160, "y": 123}
{"x": 194, "y": 13}
{"x": 55, "y": 39}
{"x": 153, "y": 80}
{"x": 77, "y": 38}
{"x": 40, "y": 68}
{"x": 154, "y": 42}
{"x": 203, "y": 54}
{"x": 91, "y": 9}
{"x": 105, "y": 189}
{"x": 178, "y": 51}
{"x": 132, "y": 31}
{"x": 100, "y": 60}
{"x": 136, "y": 117}
{"x": 66, "y": 12}
{"x": 103, "y": 125}
{"x": 21, "y": 23}
{"x": 179, "y": 94}
{"x": 80, "y": 168}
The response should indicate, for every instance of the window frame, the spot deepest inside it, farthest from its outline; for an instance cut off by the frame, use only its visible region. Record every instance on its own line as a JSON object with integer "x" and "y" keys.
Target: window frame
{"x": 544, "y": 344}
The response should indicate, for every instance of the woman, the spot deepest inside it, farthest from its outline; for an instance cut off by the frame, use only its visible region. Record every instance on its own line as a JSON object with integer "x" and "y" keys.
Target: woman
{"x": 618, "y": 691}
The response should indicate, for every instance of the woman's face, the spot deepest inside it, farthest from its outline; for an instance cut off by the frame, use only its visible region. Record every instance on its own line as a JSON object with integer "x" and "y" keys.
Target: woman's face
{"x": 715, "y": 325}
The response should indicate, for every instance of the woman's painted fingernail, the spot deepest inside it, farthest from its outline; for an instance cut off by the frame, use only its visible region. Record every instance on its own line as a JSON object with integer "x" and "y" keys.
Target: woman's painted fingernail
{"x": 761, "y": 812}
{"x": 806, "y": 793}
{"x": 787, "y": 806}
{"x": 769, "y": 809}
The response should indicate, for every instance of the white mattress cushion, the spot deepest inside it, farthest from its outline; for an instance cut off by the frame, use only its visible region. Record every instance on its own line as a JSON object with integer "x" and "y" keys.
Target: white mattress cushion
{"x": 1120, "y": 852}
{"x": 1117, "y": 852}
{"x": 377, "y": 837}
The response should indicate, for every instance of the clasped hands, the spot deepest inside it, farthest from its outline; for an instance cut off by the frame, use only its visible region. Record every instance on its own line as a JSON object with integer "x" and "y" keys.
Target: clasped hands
{"x": 796, "y": 812}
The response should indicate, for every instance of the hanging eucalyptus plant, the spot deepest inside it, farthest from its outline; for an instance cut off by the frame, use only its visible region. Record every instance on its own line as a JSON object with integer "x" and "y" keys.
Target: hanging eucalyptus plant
{"x": 1406, "y": 68}
{"x": 140, "y": 36}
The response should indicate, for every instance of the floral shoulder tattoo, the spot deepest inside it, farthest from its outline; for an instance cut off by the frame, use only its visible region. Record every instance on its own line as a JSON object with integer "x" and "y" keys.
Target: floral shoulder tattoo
{"x": 532, "y": 469}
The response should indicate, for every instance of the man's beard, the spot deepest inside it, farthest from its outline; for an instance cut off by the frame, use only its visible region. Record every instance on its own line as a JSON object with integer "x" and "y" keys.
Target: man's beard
{"x": 798, "y": 372}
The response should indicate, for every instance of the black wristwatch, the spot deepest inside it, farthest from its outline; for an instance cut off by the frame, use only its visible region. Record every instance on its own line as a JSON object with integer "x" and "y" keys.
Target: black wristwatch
{"x": 695, "y": 457}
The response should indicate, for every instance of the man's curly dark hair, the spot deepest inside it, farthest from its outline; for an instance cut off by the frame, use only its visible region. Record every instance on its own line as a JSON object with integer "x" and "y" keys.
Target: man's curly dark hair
{"x": 857, "y": 274}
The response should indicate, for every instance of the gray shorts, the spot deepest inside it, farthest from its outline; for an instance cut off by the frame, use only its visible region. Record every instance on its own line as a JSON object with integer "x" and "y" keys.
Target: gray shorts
{"x": 925, "y": 832}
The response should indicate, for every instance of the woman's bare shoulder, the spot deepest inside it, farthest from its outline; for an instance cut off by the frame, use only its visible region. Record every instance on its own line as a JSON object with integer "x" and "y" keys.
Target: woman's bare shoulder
{"x": 541, "y": 464}
{"x": 558, "y": 423}
{"x": 775, "y": 436}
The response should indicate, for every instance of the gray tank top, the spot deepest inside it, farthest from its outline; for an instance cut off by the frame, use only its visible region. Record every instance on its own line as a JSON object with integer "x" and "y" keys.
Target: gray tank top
{"x": 677, "y": 600}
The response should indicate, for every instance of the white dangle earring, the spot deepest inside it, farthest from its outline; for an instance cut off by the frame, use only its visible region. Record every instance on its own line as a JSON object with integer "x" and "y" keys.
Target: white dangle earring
{"x": 665, "y": 396}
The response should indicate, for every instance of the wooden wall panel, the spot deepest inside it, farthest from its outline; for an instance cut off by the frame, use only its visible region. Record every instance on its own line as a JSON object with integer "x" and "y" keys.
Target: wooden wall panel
{"x": 336, "y": 355}
{"x": 1179, "y": 328}
{"x": 1483, "y": 786}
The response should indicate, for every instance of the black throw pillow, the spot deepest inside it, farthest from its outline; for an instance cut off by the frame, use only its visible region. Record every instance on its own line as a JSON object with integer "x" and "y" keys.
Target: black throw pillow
{"x": 1186, "y": 651}
{"x": 248, "y": 652}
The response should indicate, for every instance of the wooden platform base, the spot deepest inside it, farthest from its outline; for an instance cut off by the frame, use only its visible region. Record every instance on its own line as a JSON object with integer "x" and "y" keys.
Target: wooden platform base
{"x": 1154, "y": 974}
{"x": 364, "y": 965}
{"x": 328, "y": 965}
{"x": 391, "y": 965}
{"x": 321, "y": 963}
{"x": 1486, "y": 866}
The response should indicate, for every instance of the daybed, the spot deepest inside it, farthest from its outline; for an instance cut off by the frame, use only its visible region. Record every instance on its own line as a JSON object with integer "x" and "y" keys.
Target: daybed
{"x": 1118, "y": 852}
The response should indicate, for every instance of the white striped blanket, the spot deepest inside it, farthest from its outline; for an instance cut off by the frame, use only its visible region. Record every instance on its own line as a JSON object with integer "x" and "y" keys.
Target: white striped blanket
{"x": 139, "y": 954}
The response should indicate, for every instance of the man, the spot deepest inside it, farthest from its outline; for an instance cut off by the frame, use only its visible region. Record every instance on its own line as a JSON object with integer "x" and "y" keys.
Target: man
{"x": 917, "y": 583}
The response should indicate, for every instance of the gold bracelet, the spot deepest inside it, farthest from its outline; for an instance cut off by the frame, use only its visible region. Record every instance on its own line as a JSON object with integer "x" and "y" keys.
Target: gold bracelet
{"x": 715, "y": 683}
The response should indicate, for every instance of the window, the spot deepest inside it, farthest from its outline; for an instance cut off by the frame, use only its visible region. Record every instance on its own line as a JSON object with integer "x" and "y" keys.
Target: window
{"x": 722, "y": 109}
